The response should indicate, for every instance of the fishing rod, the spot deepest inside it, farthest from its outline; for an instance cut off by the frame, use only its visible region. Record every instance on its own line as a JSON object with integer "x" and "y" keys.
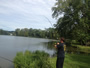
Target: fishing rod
{"x": 50, "y": 23}
{"x": 48, "y": 20}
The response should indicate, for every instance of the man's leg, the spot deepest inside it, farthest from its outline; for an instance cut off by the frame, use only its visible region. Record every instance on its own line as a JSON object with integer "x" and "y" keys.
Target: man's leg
{"x": 62, "y": 61}
{"x": 59, "y": 62}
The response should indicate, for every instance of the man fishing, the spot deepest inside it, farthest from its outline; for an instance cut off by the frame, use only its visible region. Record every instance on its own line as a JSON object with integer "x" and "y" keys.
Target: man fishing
{"x": 60, "y": 53}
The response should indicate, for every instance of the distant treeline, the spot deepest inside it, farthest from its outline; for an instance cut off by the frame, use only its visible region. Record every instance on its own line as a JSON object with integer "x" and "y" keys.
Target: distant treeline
{"x": 4, "y": 32}
{"x": 47, "y": 33}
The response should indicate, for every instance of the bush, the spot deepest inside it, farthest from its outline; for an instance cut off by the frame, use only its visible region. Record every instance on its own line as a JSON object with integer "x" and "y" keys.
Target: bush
{"x": 68, "y": 42}
{"x": 88, "y": 43}
{"x": 36, "y": 59}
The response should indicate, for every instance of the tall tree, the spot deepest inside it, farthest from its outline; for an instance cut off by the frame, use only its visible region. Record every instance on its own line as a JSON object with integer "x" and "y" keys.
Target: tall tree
{"x": 75, "y": 23}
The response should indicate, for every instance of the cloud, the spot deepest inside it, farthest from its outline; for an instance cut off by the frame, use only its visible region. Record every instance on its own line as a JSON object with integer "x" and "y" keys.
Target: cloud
{"x": 26, "y": 6}
{"x": 26, "y": 13}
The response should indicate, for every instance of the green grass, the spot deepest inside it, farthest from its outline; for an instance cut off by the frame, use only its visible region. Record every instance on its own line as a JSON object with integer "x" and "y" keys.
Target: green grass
{"x": 73, "y": 61}
{"x": 85, "y": 49}
{"x": 40, "y": 59}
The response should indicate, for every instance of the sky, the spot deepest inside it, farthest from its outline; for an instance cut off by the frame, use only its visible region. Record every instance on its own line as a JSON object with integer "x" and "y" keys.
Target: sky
{"x": 26, "y": 14}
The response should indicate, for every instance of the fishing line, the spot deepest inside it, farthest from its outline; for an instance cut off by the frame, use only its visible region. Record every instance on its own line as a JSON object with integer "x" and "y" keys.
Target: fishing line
{"x": 10, "y": 61}
{"x": 48, "y": 20}
{"x": 6, "y": 59}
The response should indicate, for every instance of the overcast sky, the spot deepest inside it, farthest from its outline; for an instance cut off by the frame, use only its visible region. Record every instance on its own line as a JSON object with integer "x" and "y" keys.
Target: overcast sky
{"x": 26, "y": 14}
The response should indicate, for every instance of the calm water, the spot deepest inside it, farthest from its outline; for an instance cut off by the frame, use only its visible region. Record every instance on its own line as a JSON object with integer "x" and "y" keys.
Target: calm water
{"x": 10, "y": 45}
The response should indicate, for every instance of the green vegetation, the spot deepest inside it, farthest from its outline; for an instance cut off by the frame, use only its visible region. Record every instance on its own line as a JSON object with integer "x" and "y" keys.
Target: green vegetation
{"x": 47, "y": 33}
{"x": 36, "y": 59}
{"x": 85, "y": 49}
{"x": 75, "y": 23}
{"x": 50, "y": 33}
{"x": 4, "y": 32}
{"x": 40, "y": 59}
{"x": 73, "y": 61}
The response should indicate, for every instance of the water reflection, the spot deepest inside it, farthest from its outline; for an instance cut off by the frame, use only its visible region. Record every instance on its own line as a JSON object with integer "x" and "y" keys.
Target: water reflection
{"x": 69, "y": 48}
{"x": 49, "y": 45}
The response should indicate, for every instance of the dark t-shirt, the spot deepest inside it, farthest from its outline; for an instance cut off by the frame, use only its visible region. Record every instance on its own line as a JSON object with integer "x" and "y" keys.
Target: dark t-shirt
{"x": 60, "y": 50}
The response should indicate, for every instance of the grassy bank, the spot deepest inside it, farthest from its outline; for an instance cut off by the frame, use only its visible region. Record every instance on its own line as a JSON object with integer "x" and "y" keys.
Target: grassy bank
{"x": 85, "y": 49}
{"x": 40, "y": 59}
{"x": 73, "y": 61}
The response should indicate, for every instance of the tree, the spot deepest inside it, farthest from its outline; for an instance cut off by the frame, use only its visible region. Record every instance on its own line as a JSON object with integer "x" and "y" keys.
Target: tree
{"x": 4, "y": 32}
{"x": 75, "y": 22}
{"x": 17, "y": 32}
{"x": 26, "y": 33}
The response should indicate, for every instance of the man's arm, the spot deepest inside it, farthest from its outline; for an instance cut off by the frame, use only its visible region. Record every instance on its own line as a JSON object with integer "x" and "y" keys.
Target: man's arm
{"x": 56, "y": 45}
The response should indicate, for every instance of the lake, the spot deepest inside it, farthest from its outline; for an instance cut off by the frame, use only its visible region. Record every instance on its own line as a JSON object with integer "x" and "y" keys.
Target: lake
{"x": 10, "y": 45}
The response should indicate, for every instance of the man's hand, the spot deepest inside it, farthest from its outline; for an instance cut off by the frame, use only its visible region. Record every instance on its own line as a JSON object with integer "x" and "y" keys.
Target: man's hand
{"x": 57, "y": 43}
{"x": 55, "y": 46}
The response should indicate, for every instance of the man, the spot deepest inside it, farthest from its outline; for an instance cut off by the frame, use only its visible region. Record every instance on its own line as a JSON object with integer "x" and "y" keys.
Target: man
{"x": 60, "y": 53}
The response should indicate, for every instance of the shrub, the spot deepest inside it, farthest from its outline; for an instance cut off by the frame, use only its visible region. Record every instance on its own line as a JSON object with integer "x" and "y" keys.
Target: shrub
{"x": 35, "y": 59}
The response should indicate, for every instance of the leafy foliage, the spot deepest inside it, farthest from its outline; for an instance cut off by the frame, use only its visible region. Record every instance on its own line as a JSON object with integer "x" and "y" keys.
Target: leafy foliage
{"x": 4, "y": 32}
{"x": 75, "y": 23}
{"x": 50, "y": 33}
{"x": 47, "y": 33}
{"x": 36, "y": 59}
